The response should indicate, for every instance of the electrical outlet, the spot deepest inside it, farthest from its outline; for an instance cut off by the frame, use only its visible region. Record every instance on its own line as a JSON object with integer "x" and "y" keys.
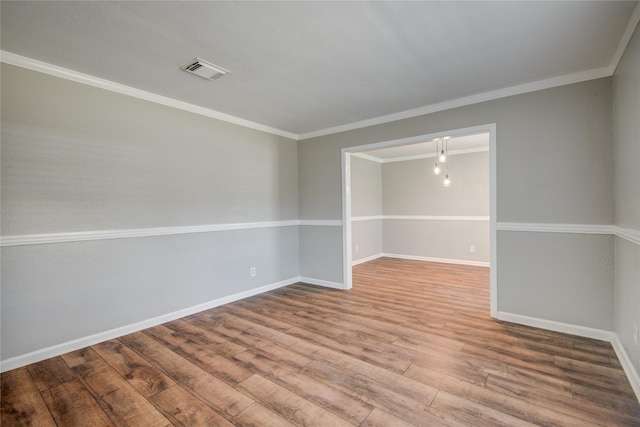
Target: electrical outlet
{"x": 635, "y": 335}
{"x": 357, "y": 248}
{"x": 472, "y": 248}
{"x": 253, "y": 272}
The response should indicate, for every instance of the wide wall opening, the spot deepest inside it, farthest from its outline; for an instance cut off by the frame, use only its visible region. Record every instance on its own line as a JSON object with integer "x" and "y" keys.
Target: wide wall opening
{"x": 426, "y": 198}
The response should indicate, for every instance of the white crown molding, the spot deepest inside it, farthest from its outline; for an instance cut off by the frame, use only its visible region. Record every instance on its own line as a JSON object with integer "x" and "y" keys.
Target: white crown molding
{"x": 68, "y": 74}
{"x": 567, "y": 79}
{"x": 624, "y": 40}
{"x": 433, "y": 155}
{"x": 367, "y": 157}
{"x": 77, "y": 344}
{"x": 65, "y": 73}
{"x": 81, "y": 236}
{"x": 418, "y": 156}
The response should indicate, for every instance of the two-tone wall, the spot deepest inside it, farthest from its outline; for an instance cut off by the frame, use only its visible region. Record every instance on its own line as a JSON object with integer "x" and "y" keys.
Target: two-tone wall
{"x": 556, "y": 264}
{"x": 567, "y": 194}
{"x": 626, "y": 184}
{"x": 367, "y": 228}
{"x": 420, "y": 218}
{"x": 554, "y": 166}
{"x": 120, "y": 213}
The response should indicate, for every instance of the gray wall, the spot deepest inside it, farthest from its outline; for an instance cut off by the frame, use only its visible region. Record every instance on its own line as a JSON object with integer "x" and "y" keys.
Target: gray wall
{"x": 626, "y": 120}
{"x": 320, "y": 252}
{"x": 411, "y": 188}
{"x": 77, "y": 158}
{"x": 554, "y": 165}
{"x": 366, "y": 200}
{"x": 366, "y": 187}
{"x": 445, "y": 240}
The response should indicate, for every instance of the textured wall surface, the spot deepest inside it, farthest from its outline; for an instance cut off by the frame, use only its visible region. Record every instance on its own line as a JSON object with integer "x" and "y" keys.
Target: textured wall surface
{"x": 80, "y": 159}
{"x": 626, "y": 114}
{"x": 411, "y": 188}
{"x": 366, "y": 201}
{"x": 554, "y": 166}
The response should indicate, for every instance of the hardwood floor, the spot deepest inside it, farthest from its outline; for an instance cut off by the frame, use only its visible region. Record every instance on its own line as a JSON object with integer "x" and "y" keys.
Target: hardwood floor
{"x": 411, "y": 344}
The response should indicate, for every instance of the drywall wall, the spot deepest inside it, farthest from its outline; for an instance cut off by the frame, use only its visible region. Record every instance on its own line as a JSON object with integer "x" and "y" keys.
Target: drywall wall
{"x": 438, "y": 240}
{"x": 366, "y": 201}
{"x": 366, "y": 187}
{"x": 57, "y": 293}
{"x": 81, "y": 159}
{"x": 554, "y": 166}
{"x": 626, "y": 114}
{"x": 576, "y": 259}
{"x": 367, "y": 239}
{"x": 410, "y": 188}
{"x": 93, "y": 159}
{"x": 321, "y": 254}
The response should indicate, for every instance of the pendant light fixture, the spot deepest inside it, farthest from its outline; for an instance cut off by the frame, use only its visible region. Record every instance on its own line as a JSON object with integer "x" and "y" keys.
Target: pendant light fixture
{"x": 436, "y": 169}
{"x": 442, "y": 154}
{"x": 445, "y": 152}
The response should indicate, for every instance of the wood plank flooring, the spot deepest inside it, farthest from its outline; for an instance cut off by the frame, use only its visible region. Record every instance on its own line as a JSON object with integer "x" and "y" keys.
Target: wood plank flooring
{"x": 411, "y": 344}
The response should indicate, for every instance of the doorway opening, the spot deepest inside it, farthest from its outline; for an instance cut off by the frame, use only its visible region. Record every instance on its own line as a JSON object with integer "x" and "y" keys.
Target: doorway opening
{"x": 423, "y": 147}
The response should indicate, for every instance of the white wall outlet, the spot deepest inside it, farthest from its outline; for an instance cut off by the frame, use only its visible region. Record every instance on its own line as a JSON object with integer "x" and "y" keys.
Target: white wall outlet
{"x": 253, "y": 272}
{"x": 357, "y": 248}
{"x": 472, "y": 248}
{"x": 635, "y": 335}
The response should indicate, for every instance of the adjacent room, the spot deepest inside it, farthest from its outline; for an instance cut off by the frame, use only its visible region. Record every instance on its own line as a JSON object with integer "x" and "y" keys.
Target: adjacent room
{"x": 320, "y": 213}
{"x": 403, "y": 203}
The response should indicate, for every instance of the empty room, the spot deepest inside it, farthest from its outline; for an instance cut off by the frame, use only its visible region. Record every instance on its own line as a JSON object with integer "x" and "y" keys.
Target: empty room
{"x": 320, "y": 213}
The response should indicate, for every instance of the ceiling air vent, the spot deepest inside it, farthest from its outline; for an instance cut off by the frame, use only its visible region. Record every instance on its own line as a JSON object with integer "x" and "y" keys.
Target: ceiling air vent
{"x": 204, "y": 69}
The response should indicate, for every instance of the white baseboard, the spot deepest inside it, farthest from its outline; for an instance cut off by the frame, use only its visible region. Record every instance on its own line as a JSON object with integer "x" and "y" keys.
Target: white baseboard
{"x": 57, "y": 350}
{"x": 582, "y": 331}
{"x": 320, "y": 282}
{"x": 629, "y": 369}
{"x": 77, "y": 344}
{"x": 567, "y": 328}
{"x": 367, "y": 259}
{"x": 442, "y": 260}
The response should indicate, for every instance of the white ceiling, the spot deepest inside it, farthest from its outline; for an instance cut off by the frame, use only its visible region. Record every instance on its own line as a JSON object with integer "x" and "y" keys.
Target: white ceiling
{"x": 308, "y": 68}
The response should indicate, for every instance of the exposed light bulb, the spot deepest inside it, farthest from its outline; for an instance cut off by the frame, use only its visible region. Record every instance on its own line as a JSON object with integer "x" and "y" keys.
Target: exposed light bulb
{"x": 443, "y": 157}
{"x": 436, "y": 170}
{"x": 447, "y": 181}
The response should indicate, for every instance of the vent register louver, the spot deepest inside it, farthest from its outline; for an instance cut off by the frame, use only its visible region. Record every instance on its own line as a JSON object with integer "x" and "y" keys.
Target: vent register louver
{"x": 204, "y": 69}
